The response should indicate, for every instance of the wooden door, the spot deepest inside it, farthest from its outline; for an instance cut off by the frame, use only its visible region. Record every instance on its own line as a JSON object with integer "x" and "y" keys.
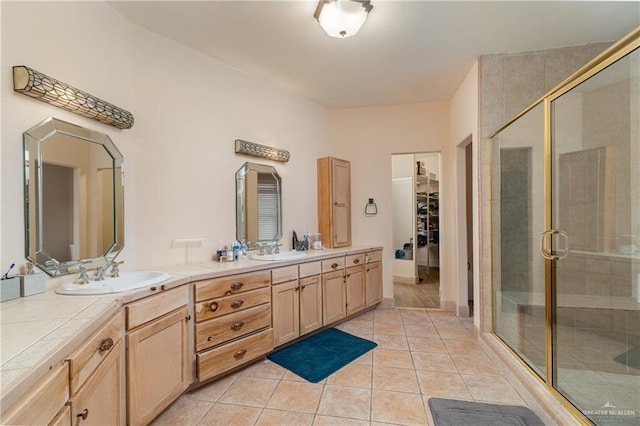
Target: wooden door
{"x": 341, "y": 191}
{"x": 159, "y": 368}
{"x": 333, "y": 297}
{"x": 355, "y": 289}
{"x": 310, "y": 304}
{"x": 100, "y": 400}
{"x": 286, "y": 311}
{"x": 373, "y": 283}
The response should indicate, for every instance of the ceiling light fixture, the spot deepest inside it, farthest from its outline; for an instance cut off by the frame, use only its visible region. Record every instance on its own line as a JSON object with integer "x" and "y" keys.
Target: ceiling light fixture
{"x": 342, "y": 18}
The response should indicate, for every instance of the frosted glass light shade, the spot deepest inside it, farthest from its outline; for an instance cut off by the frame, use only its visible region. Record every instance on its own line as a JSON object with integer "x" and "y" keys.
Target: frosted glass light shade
{"x": 342, "y": 18}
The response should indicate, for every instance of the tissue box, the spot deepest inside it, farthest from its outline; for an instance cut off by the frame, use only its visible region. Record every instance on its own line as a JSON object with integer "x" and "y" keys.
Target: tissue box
{"x": 9, "y": 289}
{"x": 32, "y": 284}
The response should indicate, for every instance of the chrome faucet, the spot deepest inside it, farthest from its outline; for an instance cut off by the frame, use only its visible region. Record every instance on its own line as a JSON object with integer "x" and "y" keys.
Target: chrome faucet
{"x": 101, "y": 271}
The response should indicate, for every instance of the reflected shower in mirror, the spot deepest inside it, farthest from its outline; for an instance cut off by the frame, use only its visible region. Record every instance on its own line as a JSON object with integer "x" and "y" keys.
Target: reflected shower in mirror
{"x": 258, "y": 204}
{"x": 73, "y": 197}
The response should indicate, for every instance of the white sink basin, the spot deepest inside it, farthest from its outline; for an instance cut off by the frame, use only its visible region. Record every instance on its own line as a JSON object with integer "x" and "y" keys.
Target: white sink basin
{"x": 126, "y": 281}
{"x": 283, "y": 255}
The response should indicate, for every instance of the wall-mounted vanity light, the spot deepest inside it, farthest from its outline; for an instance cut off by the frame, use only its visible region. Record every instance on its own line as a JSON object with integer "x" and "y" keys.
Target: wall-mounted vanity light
{"x": 47, "y": 89}
{"x": 261, "y": 151}
{"x": 342, "y": 18}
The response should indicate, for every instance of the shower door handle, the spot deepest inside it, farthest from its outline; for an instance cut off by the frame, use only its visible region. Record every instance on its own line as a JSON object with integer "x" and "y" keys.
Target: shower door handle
{"x": 548, "y": 254}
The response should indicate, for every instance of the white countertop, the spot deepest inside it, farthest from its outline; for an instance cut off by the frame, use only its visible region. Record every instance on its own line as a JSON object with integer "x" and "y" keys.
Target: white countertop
{"x": 42, "y": 330}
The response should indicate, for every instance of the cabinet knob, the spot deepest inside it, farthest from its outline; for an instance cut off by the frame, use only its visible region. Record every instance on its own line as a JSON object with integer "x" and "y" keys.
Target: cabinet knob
{"x": 356, "y": 261}
{"x": 302, "y": 288}
{"x": 105, "y": 345}
{"x": 237, "y": 326}
{"x": 162, "y": 287}
{"x": 83, "y": 414}
{"x": 334, "y": 265}
{"x": 237, "y": 286}
{"x": 153, "y": 288}
{"x": 213, "y": 306}
{"x": 237, "y": 304}
{"x": 239, "y": 354}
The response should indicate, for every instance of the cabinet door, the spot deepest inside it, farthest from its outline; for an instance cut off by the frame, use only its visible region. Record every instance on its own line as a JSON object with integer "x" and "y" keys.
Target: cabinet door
{"x": 333, "y": 297}
{"x": 286, "y": 311}
{"x": 100, "y": 400}
{"x": 341, "y": 190}
{"x": 310, "y": 304}
{"x": 373, "y": 280}
{"x": 355, "y": 289}
{"x": 159, "y": 368}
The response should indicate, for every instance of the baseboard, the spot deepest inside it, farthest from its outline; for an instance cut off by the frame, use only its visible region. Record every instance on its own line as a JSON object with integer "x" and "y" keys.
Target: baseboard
{"x": 464, "y": 311}
{"x": 405, "y": 280}
{"x": 448, "y": 305}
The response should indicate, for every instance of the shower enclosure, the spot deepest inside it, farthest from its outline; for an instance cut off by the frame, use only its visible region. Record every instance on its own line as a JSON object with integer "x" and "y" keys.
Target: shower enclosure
{"x": 566, "y": 236}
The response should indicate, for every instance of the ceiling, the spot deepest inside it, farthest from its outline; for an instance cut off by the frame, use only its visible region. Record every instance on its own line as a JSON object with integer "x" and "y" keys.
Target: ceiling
{"x": 406, "y": 52}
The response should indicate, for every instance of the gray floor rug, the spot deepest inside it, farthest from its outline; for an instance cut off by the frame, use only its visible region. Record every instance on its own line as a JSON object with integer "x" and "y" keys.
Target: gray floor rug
{"x": 452, "y": 412}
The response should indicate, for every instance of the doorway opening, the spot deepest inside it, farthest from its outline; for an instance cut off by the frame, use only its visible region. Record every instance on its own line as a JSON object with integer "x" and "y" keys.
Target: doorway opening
{"x": 416, "y": 229}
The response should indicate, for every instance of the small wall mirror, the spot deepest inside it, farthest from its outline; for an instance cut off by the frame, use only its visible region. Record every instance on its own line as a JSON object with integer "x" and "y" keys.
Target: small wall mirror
{"x": 258, "y": 204}
{"x": 74, "y": 197}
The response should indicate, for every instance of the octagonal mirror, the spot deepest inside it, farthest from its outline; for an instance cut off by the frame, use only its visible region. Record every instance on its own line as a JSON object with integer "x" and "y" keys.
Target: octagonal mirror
{"x": 74, "y": 197}
{"x": 258, "y": 204}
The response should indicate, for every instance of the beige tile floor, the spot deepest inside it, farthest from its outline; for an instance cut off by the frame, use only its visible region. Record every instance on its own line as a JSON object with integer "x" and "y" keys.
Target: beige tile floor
{"x": 420, "y": 354}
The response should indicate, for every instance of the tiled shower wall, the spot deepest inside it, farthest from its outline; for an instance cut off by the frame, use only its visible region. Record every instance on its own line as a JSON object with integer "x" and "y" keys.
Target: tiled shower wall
{"x": 508, "y": 84}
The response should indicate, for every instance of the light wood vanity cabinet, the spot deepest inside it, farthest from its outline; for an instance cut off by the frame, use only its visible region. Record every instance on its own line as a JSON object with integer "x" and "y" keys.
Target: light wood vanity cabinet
{"x": 334, "y": 302}
{"x": 97, "y": 377}
{"x": 44, "y": 403}
{"x": 100, "y": 400}
{"x": 334, "y": 201}
{"x": 158, "y": 361}
{"x": 310, "y": 304}
{"x": 233, "y": 322}
{"x": 373, "y": 277}
{"x": 297, "y": 302}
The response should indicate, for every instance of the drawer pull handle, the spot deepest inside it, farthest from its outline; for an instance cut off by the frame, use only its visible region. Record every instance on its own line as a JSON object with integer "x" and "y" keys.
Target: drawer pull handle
{"x": 213, "y": 306}
{"x": 209, "y": 339}
{"x": 356, "y": 261}
{"x": 162, "y": 287}
{"x": 105, "y": 346}
{"x": 334, "y": 265}
{"x": 84, "y": 414}
{"x": 240, "y": 353}
{"x": 237, "y": 286}
{"x": 153, "y": 288}
{"x": 237, "y": 326}
{"x": 237, "y": 304}
{"x": 188, "y": 318}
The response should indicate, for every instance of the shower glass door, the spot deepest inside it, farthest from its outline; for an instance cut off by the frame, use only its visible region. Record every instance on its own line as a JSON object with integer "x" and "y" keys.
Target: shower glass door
{"x": 518, "y": 222}
{"x": 595, "y": 147}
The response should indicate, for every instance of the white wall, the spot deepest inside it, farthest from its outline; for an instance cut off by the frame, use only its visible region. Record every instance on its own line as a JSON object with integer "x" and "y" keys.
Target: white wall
{"x": 189, "y": 108}
{"x": 464, "y": 128}
{"x": 367, "y": 137}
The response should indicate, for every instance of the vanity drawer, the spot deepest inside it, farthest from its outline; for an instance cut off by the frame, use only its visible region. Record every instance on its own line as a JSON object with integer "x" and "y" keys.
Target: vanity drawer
{"x": 145, "y": 310}
{"x": 333, "y": 264}
{"x": 282, "y": 275}
{"x": 43, "y": 401}
{"x": 226, "y": 357}
{"x": 355, "y": 260}
{"x": 373, "y": 256}
{"x": 86, "y": 359}
{"x": 226, "y": 286}
{"x": 310, "y": 269}
{"x": 219, "y": 330}
{"x": 234, "y": 303}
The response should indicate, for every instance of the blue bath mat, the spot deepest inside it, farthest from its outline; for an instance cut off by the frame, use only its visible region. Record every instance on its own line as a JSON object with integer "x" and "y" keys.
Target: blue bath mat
{"x": 317, "y": 357}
